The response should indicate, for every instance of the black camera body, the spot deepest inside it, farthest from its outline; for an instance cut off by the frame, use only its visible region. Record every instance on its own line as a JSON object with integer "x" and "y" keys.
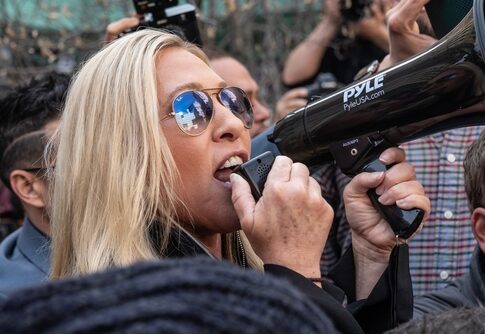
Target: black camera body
{"x": 169, "y": 15}
{"x": 324, "y": 84}
{"x": 354, "y": 10}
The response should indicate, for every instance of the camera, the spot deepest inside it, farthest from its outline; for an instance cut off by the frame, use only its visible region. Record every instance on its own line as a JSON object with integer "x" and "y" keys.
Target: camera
{"x": 324, "y": 84}
{"x": 169, "y": 15}
{"x": 354, "y": 10}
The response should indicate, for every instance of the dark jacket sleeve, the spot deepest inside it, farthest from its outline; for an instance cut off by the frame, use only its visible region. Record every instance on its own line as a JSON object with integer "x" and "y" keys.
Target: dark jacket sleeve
{"x": 389, "y": 304}
{"x": 391, "y": 301}
{"x": 326, "y": 299}
{"x": 440, "y": 300}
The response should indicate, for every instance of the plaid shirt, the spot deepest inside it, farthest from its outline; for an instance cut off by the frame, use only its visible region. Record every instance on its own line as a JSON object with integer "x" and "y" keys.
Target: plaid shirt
{"x": 441, "y": 251}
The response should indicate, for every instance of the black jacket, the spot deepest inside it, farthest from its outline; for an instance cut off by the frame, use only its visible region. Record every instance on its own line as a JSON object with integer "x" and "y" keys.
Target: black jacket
{"x": 389, "y": 304}
{"x": 467, "y": 291}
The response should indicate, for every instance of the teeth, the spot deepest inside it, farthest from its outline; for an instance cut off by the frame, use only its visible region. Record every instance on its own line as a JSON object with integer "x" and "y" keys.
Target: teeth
{"x": 232, "y": 162}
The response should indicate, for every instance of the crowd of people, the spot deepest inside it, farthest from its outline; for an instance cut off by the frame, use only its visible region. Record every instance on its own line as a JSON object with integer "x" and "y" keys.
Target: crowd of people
{"x": 133, "y": 220}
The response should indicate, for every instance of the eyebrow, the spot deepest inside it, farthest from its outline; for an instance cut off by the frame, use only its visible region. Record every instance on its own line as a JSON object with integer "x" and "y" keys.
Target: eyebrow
{"x": 189, "y": 86}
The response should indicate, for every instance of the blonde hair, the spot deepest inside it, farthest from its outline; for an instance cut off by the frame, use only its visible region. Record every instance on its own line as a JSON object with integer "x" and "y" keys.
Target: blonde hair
{"x": 115, "y": 177}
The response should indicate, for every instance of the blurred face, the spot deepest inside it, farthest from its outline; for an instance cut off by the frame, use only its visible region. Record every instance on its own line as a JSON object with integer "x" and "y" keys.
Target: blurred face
{"x": 204, "y": 161}
{"x": 235, "y": 74}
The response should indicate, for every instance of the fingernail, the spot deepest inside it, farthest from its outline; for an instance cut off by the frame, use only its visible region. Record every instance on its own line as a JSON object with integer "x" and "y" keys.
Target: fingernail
{"x": 379, "y": 190}
{"x": 385, "y": 200}
{"x": 386, "y": 160}
{"x": 378, "y": 175}
{"x": 401, "y": 202}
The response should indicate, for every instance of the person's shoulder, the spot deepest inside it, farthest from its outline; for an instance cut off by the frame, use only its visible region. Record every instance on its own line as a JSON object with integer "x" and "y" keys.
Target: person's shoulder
{"x": 9, "y": 244}
{"x": 450, "y": 297}
{"x": 16, "y": 270}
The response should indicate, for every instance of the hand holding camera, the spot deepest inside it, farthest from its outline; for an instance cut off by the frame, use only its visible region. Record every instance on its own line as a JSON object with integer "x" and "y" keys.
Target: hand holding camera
{"x": 169, "y": 15}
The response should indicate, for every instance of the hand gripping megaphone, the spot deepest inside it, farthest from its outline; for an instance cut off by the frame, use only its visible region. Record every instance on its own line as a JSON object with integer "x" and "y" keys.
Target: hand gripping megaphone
{"x": 439, "y": 89}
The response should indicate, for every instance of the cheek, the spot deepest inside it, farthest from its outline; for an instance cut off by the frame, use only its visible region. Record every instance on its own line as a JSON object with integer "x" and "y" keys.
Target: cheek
{"x": 190, "y": 164}
{"x": 190, "y": 157}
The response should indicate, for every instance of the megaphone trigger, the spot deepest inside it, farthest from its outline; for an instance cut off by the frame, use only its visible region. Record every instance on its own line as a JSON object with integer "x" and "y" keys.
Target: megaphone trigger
{"x": 361, "y": 154}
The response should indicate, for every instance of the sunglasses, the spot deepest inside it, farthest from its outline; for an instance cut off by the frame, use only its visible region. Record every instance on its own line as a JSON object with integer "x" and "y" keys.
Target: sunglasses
{"x": 193, "y": 110}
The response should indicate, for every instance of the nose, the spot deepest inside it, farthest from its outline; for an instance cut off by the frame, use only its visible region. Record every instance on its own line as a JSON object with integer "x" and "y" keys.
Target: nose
{"x": 226, "y": 126}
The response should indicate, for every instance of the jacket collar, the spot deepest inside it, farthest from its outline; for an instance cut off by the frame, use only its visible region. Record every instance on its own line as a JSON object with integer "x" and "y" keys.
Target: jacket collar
{"x": 35, "y": 246}
{"x": 182, "y": 244}
{"x": 477, "y": 274}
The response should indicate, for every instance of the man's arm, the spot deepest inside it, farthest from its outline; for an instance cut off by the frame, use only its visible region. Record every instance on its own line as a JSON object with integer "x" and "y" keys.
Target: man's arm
{"x": 304, "y": 61}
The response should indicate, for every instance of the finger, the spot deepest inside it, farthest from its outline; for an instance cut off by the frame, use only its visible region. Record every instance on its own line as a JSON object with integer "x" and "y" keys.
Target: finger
{"x": 396, "y": 6}
{"x": 296, "y": 92}
{"x": 243, "y": 201}
{"x": 400, "y": 191}
{"x": 315, "y": 188}
{"x": 281, "y": 169}
{"x": 392, "y": 155}
{"x": 296, "y": 103}
{"x": 405, "y": 16}
{"x": 361, "y": 183}
{"x": 117, "y": 27}
{"x": 375, "y": 9}
{"x": 386, "y": 6}
{"x": 416, "y": 201}
{"x": 299, "y": 173}
{"x": 399, "y": 173}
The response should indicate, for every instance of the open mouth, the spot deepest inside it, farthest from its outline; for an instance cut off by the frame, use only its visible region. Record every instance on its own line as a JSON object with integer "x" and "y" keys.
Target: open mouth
{"x": 224, "y": 172}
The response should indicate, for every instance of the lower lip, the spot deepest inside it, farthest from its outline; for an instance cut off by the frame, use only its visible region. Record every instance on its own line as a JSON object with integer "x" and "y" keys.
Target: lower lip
{"x": 225, "y": 184}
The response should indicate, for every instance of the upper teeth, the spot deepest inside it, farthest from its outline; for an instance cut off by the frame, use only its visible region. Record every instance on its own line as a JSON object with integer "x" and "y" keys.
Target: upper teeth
{"x": 231, "y": 162}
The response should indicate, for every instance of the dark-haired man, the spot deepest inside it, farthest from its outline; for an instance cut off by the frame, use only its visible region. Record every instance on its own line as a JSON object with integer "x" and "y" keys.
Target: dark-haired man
{"x": 469, "y": 290}
{"x": 30, "y": 115}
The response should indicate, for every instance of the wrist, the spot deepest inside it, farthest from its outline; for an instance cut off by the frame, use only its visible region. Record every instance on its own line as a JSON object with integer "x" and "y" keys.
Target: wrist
{"x": 311, "y": 272}
{"x": 367, "y": 274}
{"x": 323, "y": 34}
{"x": 331, "y": 21}
{"x": 368, "y": 254}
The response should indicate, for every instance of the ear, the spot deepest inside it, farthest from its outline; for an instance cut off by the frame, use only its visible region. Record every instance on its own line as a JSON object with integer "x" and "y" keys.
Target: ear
{"x": 478, "y": 224}
{"x": 28, "y": 187}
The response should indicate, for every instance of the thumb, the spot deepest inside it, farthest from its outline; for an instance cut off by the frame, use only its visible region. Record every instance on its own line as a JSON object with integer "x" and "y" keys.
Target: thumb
{"x": 361, "y": 183}
{"x": 243, "y": 201}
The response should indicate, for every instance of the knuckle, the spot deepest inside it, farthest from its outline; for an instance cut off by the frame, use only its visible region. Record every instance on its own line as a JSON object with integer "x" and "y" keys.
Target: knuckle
{"x": 298, "y": 189}
{"x": 410, "y": 169}
{"x": 282, "y": 160}
{"x": 300, "y": 165}
{"x": 395, "y": 23}
{"x": 277, "y": 189}
{"x": 393, "y": 192}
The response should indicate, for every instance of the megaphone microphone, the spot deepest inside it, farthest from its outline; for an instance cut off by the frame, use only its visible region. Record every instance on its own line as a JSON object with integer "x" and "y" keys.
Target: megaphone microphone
{"x": 439, "y": 89}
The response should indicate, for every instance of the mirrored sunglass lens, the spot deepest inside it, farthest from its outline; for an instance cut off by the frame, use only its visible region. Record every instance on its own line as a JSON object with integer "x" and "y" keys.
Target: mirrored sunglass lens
{"x": 236, "y": 100}
{"x": 193, "y": 111}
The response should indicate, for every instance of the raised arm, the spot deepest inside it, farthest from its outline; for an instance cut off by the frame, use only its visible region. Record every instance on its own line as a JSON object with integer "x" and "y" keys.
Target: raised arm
{"x": 304, "y": 61}
{"x": 407, "y": 22}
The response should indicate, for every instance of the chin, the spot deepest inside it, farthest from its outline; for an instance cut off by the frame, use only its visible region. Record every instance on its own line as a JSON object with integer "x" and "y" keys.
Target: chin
{"x": 229, "y": 224}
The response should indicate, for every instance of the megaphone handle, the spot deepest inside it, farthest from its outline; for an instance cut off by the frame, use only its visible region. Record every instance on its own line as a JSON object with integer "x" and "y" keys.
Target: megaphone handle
{"x": 403, "y": 222}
